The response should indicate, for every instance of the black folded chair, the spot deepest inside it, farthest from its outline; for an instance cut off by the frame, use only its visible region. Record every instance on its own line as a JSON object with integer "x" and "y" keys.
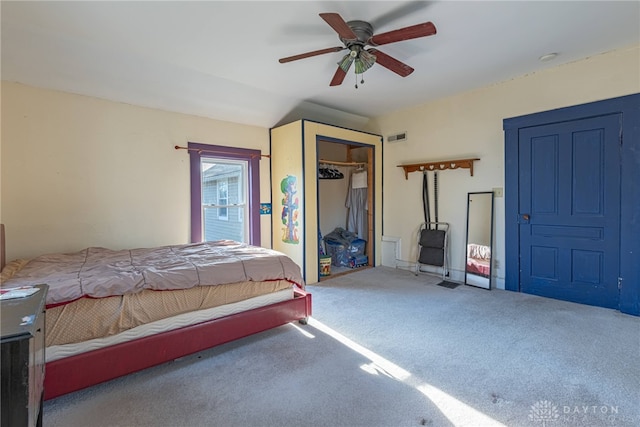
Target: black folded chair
{"x": 433, "y": 246}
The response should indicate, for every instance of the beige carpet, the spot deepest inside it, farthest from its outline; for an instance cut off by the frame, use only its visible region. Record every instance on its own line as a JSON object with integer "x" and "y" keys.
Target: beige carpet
{"x": 386, "y": 348}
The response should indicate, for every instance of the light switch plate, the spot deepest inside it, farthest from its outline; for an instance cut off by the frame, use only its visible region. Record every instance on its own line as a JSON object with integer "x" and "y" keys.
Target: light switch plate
{"x": 497, "y": 192}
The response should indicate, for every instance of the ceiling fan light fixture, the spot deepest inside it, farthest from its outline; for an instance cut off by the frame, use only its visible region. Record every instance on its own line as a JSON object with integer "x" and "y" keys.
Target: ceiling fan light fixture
{"x": 345, "y": 63}
{"x": 364, "y": 61}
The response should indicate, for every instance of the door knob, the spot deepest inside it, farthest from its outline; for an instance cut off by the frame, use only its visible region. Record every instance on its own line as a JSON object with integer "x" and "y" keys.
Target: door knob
{"x": 525, "y": 217}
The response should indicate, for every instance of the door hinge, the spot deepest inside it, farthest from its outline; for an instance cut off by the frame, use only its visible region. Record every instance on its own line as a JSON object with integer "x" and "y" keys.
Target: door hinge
{"x": 619, "y": 282}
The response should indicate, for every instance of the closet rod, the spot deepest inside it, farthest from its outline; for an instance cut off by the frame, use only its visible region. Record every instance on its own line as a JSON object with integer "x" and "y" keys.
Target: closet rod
{"x": 331, "y": 162}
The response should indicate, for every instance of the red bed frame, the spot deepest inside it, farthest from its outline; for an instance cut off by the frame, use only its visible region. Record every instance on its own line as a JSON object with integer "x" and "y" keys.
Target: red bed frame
{"x": 478, "y": 267}
{"x": 84, "y": 370}
{"x": 74, "y": 373}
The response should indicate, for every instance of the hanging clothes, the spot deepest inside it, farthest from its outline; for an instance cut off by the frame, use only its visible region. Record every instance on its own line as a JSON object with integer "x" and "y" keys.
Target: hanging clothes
{"x": 329, "y": 172}
{"x": 356, "y": 204}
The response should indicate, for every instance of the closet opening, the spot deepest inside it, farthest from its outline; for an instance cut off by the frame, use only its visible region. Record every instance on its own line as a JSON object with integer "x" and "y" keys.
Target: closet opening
{"x": 345, "y": 207}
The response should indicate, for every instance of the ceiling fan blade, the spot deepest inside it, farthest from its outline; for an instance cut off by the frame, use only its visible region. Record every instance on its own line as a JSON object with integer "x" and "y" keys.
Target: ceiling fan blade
{"x": 407, "y": 33}
{"x": 390, "y": 63}
{"x": 338, "y": 77}
{"x": 401, "y": 11}
{"x": 310, "y": 54}
{"x": 339, "y": 25}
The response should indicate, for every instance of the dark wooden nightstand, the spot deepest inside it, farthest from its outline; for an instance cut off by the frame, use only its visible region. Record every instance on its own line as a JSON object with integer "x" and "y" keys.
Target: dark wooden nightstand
{"x": 22, "y": 358}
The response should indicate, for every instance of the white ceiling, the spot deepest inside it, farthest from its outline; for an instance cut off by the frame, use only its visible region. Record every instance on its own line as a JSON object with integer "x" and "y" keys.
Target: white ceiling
{"x": 219, "y": 59}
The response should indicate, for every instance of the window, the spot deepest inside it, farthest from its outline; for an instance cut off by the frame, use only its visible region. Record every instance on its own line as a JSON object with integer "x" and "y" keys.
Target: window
{"x": 225, "y": 195}
{"x": 224, "y": 199}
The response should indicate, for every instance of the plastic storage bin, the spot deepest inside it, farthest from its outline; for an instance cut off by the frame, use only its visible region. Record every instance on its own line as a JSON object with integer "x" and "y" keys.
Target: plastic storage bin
{"x": 338, "y": 253}
{"x": 342, "y": 253}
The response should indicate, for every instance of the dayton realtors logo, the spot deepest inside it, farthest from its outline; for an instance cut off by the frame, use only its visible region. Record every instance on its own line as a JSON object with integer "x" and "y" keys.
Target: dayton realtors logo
{"x": 547, "y": 413}
{"x": 543, "y": 412}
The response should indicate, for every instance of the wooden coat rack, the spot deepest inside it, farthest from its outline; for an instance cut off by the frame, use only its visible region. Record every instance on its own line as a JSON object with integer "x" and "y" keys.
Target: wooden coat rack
{"x": 440, "y": 165}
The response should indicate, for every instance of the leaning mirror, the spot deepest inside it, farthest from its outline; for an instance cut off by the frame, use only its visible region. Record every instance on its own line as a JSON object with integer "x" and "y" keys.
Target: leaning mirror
{"x": 479, "y": 239}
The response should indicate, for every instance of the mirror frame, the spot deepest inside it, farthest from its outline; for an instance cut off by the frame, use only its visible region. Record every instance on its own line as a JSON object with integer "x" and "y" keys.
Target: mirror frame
{"x": 466, "y": 256}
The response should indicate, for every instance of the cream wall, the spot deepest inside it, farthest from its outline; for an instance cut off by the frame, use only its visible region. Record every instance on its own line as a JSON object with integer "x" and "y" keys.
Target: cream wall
{"x": 470, "y": 125}
{"x": 79, "y": 171}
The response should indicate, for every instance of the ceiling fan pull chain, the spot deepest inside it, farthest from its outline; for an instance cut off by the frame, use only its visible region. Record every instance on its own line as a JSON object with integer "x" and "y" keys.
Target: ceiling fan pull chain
{"x": 356, "y": 81}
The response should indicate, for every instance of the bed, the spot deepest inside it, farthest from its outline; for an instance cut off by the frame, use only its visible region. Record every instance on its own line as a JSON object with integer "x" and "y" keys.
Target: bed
{"x": 111, "y": 313}
{"x": 479, "y": 260}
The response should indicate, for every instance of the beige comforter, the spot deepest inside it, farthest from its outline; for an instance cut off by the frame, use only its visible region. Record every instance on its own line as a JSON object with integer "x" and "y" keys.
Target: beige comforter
{"x": 99, "y": 272}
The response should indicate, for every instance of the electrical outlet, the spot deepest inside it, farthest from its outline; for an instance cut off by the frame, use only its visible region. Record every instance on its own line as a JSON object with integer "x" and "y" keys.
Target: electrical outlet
{"x": 496, "y": 263}
{"x": 497, "y": 191}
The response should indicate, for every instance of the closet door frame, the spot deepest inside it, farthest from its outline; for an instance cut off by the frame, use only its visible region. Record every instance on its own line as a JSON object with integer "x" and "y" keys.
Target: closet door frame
{"x": 371, "y": 198}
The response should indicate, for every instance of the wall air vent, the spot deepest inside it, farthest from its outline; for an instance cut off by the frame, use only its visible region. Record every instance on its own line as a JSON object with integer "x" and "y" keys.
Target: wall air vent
{"x": 399, "y": 137}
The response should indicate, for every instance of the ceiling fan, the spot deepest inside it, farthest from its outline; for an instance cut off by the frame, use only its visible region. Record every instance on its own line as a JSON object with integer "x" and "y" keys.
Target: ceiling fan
{"x": 355, "y": 36}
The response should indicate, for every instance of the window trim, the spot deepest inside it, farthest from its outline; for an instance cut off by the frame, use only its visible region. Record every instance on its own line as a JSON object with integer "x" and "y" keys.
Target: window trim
{"x": 197, "y": 151}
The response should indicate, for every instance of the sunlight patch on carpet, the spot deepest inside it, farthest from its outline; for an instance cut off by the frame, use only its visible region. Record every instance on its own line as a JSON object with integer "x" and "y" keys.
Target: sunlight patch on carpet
{"x": 381, "y": 364}
{"x": 459, "y": 413}
{"x": 302, "y": 331}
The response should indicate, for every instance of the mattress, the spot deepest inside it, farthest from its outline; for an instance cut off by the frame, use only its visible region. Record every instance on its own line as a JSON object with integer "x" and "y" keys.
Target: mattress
{"x": 55, "y": 352}
{"x": 89, "y": 318}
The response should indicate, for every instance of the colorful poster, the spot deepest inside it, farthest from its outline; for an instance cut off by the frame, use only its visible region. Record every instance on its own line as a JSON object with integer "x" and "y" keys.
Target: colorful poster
{"x": 265, "y": 208}
{"x": 289, "y": 210}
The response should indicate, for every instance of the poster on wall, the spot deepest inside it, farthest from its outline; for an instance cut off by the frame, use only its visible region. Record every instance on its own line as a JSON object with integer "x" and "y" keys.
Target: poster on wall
{"x": 265, "y": 208}
{"x": 289, "y": 210}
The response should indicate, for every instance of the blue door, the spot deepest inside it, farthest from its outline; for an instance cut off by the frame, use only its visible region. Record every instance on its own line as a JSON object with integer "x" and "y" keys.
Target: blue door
{"x": 569, "y": 210}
